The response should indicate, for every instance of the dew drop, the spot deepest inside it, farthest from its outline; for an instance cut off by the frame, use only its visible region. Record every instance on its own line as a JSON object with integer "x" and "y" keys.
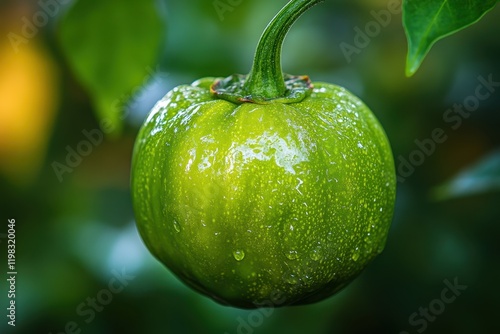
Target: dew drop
{"x": 177, "y": 227}
{"x": 239, "y": 255}
{"x": 292, "y": 255}
{"x": 292, "y": 279}
{"x": 316, "y": 255}
{"x": 355, "y": 256}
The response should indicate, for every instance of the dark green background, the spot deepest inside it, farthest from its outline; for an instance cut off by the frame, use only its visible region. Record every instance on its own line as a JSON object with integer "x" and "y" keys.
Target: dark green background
{"x": 71, "y": 235}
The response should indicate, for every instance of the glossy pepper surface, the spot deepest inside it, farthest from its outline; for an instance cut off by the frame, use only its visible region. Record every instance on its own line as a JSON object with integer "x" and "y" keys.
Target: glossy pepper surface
{"x": 264, "y": 189}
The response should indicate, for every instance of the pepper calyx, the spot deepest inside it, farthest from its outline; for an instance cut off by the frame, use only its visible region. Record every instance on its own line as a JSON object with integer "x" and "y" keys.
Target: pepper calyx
{"x": 232, "y": 89}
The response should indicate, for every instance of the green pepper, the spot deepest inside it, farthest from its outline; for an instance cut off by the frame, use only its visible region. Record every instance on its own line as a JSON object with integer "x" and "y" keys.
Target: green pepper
{"x": 252, "y": 187}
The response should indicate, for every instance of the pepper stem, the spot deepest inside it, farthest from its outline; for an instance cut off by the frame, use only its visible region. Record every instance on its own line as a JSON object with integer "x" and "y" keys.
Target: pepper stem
{"x": 266, "y": 77}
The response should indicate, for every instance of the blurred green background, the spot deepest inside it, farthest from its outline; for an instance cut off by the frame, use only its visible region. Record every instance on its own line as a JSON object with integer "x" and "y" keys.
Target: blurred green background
{"x": 75, "y": 229}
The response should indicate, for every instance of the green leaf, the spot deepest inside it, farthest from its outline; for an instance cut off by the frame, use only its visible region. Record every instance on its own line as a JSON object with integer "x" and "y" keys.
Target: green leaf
{"x": 427, "y": 21}
{"x": 112, "y": 46}
{"x": 483, "y": 177}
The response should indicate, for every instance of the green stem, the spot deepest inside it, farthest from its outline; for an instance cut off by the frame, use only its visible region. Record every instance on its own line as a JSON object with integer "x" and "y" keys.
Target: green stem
{"x": 266, "y": 77}
{"x": 266, "y": 83}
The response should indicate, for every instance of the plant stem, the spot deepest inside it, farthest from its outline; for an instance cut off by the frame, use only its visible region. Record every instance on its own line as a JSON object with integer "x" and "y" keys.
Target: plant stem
{"x": 266, "y": 77}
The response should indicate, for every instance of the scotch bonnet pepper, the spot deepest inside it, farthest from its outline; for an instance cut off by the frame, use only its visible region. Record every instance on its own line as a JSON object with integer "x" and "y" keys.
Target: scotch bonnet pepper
{"x": 255, "y": 186}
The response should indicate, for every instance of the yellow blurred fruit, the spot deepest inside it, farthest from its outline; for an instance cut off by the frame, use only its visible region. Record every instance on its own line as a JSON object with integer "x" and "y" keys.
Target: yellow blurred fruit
{"x": 29, "y": 98}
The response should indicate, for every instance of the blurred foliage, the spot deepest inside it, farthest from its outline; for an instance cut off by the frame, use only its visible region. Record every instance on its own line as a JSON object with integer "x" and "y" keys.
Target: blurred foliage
{"x": 482, "y": 177}
{"x": 110, "y": 45}
{"x": 73, "y": 231}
